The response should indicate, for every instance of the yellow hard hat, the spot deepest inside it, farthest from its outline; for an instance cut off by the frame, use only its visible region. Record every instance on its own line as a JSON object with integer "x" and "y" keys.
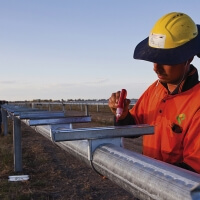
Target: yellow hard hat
{"x": 173, "y": 40}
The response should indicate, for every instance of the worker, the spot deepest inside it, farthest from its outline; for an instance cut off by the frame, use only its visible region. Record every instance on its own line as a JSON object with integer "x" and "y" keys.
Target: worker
{"x": 171, "y": 104}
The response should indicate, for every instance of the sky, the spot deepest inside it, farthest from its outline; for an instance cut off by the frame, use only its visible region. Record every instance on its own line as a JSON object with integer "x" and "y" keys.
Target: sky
{"x": 78, "y": 49}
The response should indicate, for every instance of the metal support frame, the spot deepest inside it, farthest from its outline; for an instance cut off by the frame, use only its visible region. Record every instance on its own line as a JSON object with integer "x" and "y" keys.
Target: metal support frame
{"x": 62, "y": 134}
{"x": 144, "y": 177}
{"x": 34, "y": 117}
{"x": 40, "y": 115}
{"x": 97, "y": 136}
{"x": 60, "y": 120}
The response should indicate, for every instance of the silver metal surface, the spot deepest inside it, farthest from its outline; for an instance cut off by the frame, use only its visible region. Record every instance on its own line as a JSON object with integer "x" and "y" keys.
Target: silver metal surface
{"x": 40, "y": 115}
{"x": 63, "y": 120}
{"x": 16, "y": 110}
{"x": 17, "y": 145}
{"x": 19, "y": 111}
{"x": 144, "y": 177}
{"x": 93, "y": 144}
{"x": 101, "y": 132}
{"x": 195, "y": 193}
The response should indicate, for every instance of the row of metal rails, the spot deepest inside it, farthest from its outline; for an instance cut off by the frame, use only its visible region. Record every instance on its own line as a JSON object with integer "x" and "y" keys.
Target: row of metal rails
{"x": 102, "y": 149}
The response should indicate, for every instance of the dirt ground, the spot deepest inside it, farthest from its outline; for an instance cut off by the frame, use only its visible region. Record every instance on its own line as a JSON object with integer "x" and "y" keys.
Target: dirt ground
{"x": 57, "y": 175}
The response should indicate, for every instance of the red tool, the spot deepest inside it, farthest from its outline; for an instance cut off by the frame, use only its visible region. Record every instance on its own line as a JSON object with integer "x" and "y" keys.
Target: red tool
{"x": 120, "y": 106}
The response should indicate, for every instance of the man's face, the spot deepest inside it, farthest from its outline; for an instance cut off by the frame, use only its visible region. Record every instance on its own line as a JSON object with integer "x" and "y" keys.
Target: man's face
{"x": 171, "y": 74}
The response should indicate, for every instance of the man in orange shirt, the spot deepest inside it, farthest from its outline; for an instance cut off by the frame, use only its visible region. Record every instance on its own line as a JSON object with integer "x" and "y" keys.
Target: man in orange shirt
{"x": 172, "y": 102}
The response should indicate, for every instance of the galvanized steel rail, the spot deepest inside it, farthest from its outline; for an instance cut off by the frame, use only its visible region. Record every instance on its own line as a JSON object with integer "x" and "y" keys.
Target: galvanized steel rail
{"x": 84, "y": 105}
{"x": 144, "y": 177}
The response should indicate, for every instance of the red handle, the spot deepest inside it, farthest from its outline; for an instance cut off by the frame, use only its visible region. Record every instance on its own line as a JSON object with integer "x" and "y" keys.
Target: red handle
{"x": 121, "y": 98}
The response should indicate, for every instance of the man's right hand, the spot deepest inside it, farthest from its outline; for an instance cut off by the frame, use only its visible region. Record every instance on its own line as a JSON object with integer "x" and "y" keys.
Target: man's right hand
{"x": 113, "y": 103}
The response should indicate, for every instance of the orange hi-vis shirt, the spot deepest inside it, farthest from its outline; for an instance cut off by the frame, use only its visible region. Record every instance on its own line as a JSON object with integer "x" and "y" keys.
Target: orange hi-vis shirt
{"x": 177, "y": 124}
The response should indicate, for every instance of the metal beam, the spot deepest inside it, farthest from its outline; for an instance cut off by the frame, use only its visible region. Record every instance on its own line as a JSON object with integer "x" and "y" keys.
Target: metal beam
{"x": 61, "y": 120}
{"x": 144, "y": 177}
{"x": 60, "y": 134}
{"x": 40, "y": 115}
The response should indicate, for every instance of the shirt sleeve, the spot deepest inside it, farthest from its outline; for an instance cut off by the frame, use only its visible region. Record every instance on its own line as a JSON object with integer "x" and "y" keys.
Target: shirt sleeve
{"x": 128, "y": 120}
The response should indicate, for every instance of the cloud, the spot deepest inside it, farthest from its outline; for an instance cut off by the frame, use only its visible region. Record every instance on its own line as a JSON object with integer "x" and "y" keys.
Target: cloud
{"x": 8, "y": 82}
{"x": 97, "y": 81}
{"x": 74, "y": 84}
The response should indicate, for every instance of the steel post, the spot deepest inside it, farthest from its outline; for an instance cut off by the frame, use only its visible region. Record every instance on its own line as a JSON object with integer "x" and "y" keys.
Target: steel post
{"x": 17, "y": 144}
{"x": 33, "y": 105}
{"x": 87, "y": 110}
{"x": 97, "y": 107}
{"x": 4, "y": 121}
{"x": 50, "y": 107}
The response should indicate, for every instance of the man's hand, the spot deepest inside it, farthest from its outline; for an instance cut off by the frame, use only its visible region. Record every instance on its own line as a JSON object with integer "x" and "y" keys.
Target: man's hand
{"x": 113, "y": 103}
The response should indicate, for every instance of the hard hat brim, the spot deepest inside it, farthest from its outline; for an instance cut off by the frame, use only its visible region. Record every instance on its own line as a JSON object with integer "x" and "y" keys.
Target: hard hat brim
{"x": 171, "y": 56}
